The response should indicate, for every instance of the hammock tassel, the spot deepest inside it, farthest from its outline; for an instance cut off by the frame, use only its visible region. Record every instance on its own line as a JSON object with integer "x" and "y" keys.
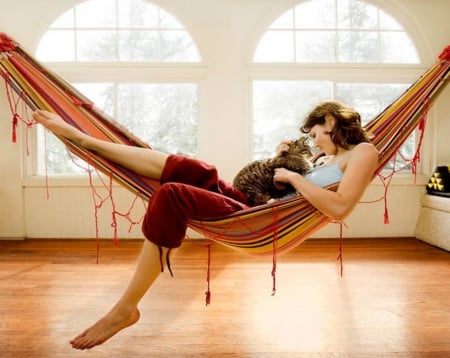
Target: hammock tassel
{"x": 168, "y": 262}
{"x": 341, "y": 242}
{"x": 15, "y": 123}
{"x": 208, "y": 276}
{"x": 274, "y": 253}
{"x": 386, "y": 212}
{"x": 274, "y": 275}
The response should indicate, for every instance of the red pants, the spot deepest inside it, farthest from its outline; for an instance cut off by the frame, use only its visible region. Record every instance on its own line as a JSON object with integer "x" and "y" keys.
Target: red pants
{"x": 190, "y": 189}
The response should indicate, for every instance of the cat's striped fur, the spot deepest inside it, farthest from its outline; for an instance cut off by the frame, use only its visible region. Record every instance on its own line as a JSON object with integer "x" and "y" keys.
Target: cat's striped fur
{"x": 255, "y": 180}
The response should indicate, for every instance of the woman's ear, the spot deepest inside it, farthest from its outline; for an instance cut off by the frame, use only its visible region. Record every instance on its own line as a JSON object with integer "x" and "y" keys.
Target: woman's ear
{"x": 330, "y": 122}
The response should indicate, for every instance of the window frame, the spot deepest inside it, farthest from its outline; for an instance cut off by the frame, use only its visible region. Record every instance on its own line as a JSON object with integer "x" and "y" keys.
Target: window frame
{"x": 376, "y": 73}
{"x": 115, "y": 71}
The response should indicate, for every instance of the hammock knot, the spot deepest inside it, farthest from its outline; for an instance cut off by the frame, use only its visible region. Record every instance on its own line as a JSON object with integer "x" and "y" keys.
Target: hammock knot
{"x": 6, "y": 44}
{"x": 79, "y": 102}
{"x": 445, "y": 54}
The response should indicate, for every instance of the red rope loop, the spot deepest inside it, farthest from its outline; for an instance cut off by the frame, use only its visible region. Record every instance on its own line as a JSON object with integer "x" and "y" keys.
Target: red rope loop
{"x": 413, "y": 161}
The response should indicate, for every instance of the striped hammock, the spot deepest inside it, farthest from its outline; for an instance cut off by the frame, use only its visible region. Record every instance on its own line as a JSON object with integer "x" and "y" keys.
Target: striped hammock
{"x": 278, "y": 226}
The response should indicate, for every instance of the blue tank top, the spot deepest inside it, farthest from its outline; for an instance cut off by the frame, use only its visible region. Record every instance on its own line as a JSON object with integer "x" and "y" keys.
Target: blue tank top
{"x": 325, "y": 175}
{"x": 322, "y": 176}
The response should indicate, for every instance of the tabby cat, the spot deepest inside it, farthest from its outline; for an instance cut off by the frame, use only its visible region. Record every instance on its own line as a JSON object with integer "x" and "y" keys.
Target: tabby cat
{"x": 255, "y": 180}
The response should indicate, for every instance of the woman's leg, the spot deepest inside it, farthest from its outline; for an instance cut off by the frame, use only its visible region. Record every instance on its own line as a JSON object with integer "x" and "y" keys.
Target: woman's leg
{"x": 165, "y": 224}
{"x": 125, "y": 312}
{"x": 143, "y": 161}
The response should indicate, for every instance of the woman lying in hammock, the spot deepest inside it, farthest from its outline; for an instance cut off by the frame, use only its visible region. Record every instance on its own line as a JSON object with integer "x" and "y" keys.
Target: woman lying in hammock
{"x": 191, "y": 189}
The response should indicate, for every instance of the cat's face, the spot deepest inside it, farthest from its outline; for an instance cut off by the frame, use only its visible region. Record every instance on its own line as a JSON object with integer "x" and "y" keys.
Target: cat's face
{"x": 300, "y": 147}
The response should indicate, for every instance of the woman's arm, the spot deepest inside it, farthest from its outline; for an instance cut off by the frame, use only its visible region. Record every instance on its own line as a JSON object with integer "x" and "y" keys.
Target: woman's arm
{"x": 337, "y": 204}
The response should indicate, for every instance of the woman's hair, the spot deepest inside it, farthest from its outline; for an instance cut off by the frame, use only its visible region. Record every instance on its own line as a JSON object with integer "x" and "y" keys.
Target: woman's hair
{"x": 347, "y": 130}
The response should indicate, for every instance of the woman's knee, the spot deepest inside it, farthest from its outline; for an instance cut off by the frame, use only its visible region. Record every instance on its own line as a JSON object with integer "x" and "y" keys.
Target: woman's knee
{"x": 165, "y": 222}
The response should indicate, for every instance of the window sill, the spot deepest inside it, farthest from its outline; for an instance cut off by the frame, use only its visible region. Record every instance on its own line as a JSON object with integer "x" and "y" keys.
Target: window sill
{"x": 71, "y": 181}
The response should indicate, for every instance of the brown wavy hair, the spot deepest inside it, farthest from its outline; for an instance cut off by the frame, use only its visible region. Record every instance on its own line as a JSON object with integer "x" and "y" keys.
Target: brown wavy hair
{"x": 347, "y": 130}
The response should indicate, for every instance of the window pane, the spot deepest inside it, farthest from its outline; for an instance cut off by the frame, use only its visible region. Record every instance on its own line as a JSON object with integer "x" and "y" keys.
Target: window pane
{"x": 316, "y": 46}
{"x": 369, "y": 98}
{"x": 279, "y": 108}
{"x": 276, "y": 46}
{"x": 57, "y": 45}
{"x": 96, "y": 14}
{"x": 316, "y": 15}
{"x": 101, "y": 94}
{"x": 397, "y": 47}
{"x": 96, "y": 45}
{"x": 52, "y": 156}
{"x": 167, "y": 21}
{"x": 163, "y": 115}
{"x": 139, "y": 46}
{"x": 358, "y": 46}
{"x": 357, "y": 15}
{"x": 388, "y": 23}
{"x": 177, "y": 46}
{"x": 137, "y": 14}
{"x": 372, "y": 99}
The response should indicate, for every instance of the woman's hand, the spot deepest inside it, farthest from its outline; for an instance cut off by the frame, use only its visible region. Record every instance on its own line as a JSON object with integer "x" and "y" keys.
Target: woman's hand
{"x": 283, "y": 147}
{"x": 283, "y": 176}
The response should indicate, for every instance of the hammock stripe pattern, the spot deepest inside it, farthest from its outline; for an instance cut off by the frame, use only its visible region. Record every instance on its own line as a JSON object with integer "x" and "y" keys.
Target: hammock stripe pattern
{"x": 265, "y": 229}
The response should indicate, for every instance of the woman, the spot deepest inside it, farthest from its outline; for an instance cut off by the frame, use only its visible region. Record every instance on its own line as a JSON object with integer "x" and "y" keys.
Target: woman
{"x": 191, "y": 189}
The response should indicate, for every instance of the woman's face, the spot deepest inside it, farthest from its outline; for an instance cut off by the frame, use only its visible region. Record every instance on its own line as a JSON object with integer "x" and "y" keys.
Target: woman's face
{"x": 321, "y": 139}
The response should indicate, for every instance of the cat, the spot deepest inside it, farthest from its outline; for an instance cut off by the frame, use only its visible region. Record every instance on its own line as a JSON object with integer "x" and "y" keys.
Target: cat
{"x": 255, "y": 180}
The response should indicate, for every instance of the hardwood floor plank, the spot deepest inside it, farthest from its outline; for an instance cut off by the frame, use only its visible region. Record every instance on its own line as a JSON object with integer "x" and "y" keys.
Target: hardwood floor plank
{"x": 392, "y": 301}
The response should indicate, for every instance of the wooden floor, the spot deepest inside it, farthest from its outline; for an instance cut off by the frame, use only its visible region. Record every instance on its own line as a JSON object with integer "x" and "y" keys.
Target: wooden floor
{"x": 392, "y": 301}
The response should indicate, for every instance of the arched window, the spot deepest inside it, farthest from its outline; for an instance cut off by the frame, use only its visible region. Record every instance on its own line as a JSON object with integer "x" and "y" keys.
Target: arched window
{"x": 327, "y": 49}
{"x": 119, "y": 54}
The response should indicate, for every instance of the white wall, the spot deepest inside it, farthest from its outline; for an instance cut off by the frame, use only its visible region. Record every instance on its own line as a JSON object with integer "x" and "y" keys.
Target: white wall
{"x": 226, "y": 31}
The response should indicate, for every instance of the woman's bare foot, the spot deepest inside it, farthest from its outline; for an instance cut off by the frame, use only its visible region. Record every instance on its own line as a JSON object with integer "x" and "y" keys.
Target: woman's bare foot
{"x": 105, "y": 328}
{"x": 55, "y": 124}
